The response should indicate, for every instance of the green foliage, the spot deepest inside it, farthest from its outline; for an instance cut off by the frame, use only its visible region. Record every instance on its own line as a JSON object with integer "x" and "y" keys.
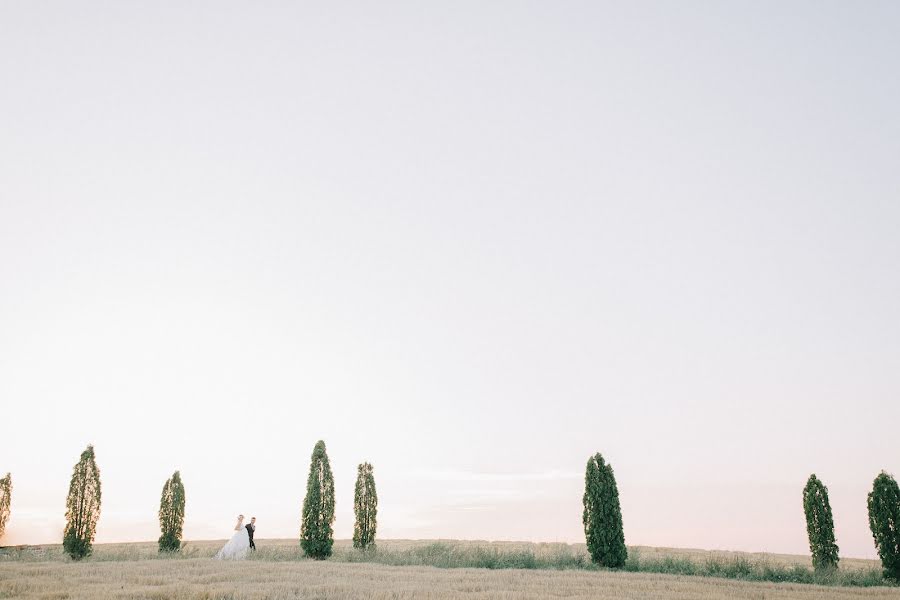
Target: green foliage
{"x": 884, "y": 521}
{"x": 451, "y": 555}
{"x": 744, "y": 568}
{"x": 365, "y": 506}
{"x": 316, "y": 533}
{"x": 602, "y": 515}
{"x": 819, "y": 525}
{"x": 171, "y": 514}
{"x": 461, "y": 555}
{"x": 82, "y": 506}
{"x": 5, "y": 501}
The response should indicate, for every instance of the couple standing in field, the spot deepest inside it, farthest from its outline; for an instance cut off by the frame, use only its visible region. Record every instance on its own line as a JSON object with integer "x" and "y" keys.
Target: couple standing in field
{"x": 240, "y": 543}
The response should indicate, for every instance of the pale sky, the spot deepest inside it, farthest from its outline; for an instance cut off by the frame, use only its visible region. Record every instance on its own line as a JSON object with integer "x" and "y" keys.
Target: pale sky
{"x": 470, "y": 242}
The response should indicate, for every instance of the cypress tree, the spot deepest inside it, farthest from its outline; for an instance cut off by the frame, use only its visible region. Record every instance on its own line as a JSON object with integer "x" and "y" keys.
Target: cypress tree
{"x": 82, "y": 506}
{"x": 171, "y": 514}
{"x": 819, "y": 524}
{"x": 365, "y": 505}
{"x": 884, "y": 521}
{"x": 602, "y": 515}
{"x": 316, "y": 534}
{"x": 5, "y": 501}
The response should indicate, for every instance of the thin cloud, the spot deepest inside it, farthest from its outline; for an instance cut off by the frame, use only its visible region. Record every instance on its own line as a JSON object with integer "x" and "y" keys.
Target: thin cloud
{"x": 475, "y": 476}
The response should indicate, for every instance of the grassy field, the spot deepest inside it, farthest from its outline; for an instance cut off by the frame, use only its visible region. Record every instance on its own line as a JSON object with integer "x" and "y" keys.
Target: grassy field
{"x": 404, "y": 569}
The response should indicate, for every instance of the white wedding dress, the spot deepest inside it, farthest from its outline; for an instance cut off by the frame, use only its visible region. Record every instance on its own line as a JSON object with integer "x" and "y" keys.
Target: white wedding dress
{"x": 237, "y": 547}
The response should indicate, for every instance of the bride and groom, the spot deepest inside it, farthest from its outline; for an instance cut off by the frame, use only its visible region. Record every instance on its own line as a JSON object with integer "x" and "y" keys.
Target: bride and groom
{"x": 241, "y": 542}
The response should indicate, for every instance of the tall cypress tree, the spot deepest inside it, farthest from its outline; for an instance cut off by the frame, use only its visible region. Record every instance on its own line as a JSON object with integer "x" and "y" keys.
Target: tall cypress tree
{"x": 171, "y": 514}
{"x": 5, "y": 501}
{"x": 316, "y": 534}
{"x": 819, "y": 524}
{"x": 82, "y": 506}
{"x": 602, "y": 515}
{"x": 365, "y": 505}
{"x": 884, "y": 521}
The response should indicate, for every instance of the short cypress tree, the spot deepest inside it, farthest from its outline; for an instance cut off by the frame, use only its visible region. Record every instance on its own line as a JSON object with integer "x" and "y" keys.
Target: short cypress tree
{"x": 82, "y": 506}
{"x": 819, "y": 525}
{"x": 316, "y": 534}
{"x": 171, "y": 514}
{"x": 365, "y": 505}
{"x": 602, "y": 515}
{"x": 884, "y": 521}
{"x": 5, "y": 502}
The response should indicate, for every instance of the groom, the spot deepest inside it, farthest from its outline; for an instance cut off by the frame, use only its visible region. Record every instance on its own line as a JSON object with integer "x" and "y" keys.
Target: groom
{"x": 250, "y": 529}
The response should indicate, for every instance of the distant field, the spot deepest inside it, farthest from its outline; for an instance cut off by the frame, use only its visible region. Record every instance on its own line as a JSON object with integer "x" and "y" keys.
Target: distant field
{"x": 399, "y": 571}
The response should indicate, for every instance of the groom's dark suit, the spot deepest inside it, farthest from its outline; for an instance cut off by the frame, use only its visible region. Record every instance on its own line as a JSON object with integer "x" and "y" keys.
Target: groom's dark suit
{"x": 250, "y": 530}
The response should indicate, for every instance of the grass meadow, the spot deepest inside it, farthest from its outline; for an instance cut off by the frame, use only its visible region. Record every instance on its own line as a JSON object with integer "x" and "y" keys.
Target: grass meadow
{"x": 438, "y": 569}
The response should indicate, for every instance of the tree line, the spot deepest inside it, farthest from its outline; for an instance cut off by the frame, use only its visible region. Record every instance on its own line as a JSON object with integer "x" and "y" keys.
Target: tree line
{"x": 602, "y": 515}
{"x": 603, "y": 530}
{"x": 316, "y": 533}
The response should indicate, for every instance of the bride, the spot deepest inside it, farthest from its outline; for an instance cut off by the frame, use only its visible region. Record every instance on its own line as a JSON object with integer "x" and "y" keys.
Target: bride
{"x": 236, "y": 548}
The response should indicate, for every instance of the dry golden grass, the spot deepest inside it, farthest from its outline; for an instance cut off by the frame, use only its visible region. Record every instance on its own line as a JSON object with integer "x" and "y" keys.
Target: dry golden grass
{"x": 133, "y": 571}
{"x": 648, "y": 552}
{"x": 206, "y": 548}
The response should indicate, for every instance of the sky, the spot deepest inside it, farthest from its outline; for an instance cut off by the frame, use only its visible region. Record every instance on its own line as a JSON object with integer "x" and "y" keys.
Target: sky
{"x": 472, "y": 243}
